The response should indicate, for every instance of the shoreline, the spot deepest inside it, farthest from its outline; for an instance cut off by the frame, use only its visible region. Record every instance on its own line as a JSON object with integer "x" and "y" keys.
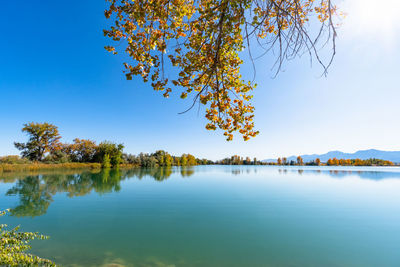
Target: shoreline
{"x": 31, "y": 167}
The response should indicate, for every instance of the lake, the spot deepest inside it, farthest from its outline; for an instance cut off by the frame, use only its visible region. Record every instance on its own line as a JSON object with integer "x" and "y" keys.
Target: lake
{"x": 211, "y": 216}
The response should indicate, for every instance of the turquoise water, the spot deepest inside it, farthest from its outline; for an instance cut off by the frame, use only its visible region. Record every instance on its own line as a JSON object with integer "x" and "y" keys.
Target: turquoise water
{"x": 211, "y": 216}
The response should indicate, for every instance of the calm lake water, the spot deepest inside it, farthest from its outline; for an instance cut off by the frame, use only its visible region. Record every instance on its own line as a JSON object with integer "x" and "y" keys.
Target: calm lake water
{"x": 211, "y": 216}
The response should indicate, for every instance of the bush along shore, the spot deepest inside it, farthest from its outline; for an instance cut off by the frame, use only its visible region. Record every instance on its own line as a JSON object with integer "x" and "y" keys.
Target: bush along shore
{"x": 44, "y": 151}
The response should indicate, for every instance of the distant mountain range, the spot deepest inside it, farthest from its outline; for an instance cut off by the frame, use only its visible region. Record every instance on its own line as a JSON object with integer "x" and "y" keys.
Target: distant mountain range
{"x": 393, "y": 156}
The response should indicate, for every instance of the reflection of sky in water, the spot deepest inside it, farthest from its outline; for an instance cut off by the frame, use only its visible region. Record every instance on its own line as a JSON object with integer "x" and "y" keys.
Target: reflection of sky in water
{"x": 375, "y": 173}
{"x": 366, "y": 173}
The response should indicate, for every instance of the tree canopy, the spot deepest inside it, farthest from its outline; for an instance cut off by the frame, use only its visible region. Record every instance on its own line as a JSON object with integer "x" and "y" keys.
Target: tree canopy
{"x": 202, "y": 41}
{"x": 43, "y": 138}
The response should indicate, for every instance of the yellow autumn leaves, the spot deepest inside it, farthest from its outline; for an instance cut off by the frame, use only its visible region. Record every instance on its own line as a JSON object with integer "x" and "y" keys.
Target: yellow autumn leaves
{"x": 202, "y": 39}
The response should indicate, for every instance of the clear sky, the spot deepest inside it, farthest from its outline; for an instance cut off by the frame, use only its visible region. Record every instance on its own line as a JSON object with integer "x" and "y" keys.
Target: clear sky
{"x": 54, "y": 68}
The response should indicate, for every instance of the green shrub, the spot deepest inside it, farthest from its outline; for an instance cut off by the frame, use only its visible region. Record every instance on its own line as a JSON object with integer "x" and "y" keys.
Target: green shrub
{"x": 106, "y": 162}
{"x": 13, "y": 159}
{"x": 113, "y": 150}
{"x": 116, "y": 161}
{"x": 57, "y": 157}
{"x": 13, "y": 247}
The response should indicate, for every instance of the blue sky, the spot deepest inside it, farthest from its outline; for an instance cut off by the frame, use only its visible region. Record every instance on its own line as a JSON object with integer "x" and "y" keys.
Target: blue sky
{"x": 54, "y": 68}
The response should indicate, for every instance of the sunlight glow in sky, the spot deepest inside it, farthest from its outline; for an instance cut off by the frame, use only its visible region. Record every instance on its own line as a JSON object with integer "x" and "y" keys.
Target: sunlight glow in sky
{"x": 373, "y": 19}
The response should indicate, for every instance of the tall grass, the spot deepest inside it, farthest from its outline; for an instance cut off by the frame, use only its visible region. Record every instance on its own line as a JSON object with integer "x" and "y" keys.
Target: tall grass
{"x": 6, "y": 167}
{"x": 32, "y": 167}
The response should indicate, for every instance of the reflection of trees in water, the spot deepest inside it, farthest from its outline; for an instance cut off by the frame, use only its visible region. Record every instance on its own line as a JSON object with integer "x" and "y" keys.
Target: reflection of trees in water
{"x": 242, "y": 169}
{"x": 187, "y": 171}
{"x": 34, "y": 197}
{"x": 36, "y": 192}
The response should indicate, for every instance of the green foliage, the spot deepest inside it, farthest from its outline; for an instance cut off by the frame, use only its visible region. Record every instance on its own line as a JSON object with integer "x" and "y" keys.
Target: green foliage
{"x": 116, "y": 160}
{"x": 44, "y": 145}
{"x": 149, "y": 161}
{"x": 107, "y": 153}
{"x": 13, "y": 247}
{"x": 13, "y": 160}
{"x": 106, "y": 164}
{"x": 113, "y": 150}
{"x": 82, "y": 150}
{"x": 57, "y": 157}
{"x": 184, "y": 160}
{"x": 237, "y": 160}
{"x": 163, "y": 158}
{"x": 43, "y": 138}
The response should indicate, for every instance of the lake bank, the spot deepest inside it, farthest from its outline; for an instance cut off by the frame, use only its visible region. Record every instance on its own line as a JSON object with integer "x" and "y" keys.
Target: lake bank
{"x": 30, "y": 167}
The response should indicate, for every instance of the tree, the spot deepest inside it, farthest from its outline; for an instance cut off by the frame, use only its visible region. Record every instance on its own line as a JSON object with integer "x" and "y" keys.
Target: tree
{"x": 160, "y": 156}
{"x": 168, "y": 160}
{"x": 43, "y": 138}
{"x": 299, "y": 160}
{"x": 184, "y": 160}
{"x": 83, "y": 150}
{"x": 106, "y": 164}
{"x": 202, "y": 39}
{"x": 279, "y": 161}
{"x": 114, "y": 151}
{"x": 191, "y": 160}
{"x": 317, "y": 161}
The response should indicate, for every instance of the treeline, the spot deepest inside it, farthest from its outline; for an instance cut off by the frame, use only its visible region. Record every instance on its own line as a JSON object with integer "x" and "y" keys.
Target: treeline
{"x": 336, "y": 162}
{"x": 162, "y": 158}
{"x": 238, "y": 160}
{"x": 44, "y": 146}
{"x": 299, "y": 161}
{"x": 359, "y": 162}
